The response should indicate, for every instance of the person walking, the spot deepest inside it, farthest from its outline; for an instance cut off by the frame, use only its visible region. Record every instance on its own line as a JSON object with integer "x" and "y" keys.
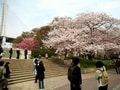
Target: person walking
{"x": 7, "y": 74}
{"x": 74, "y": 75}
{"x": 25, "y": 53}
{"x": 10, "y": 53}
{"x": 100, "y": 69}
{"x": 18, "y": 53}
{"x": 36, "y": 63}
{"x": 40, "y": 74}
{"x": 2, "y": 72}
{"x": 8, "y": 70}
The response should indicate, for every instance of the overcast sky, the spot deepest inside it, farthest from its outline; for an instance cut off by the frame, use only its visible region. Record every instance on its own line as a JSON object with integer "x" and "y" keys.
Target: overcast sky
{"x": 24, "y": 15}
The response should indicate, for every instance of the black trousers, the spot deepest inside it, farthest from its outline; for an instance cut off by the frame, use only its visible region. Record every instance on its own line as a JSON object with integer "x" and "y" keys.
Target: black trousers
{"x": 103, "y": 87}
{"x": 36, "y": 79}
{"x": 75, "y": 86}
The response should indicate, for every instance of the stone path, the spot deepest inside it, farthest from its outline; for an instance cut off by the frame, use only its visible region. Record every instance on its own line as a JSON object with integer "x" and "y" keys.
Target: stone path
{"x": 90, "y": 83}
{"x": 50, "y": 84}
{"x": 61, "y": 83}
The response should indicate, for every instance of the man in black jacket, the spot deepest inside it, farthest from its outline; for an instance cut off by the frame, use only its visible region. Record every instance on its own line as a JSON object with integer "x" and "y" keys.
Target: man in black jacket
{"x": 25, "y": 53}
{"x": 74, "y": 75}
{"x": 1, "y": 52}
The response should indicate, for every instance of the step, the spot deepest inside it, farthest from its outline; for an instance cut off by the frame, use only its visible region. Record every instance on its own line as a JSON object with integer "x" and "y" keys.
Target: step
{"x": 22, "y": 70}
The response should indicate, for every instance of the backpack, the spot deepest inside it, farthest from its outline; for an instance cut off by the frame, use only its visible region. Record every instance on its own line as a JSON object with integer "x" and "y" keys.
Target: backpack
{"x": 104, "y": 77}
{"x": 70, "y": 73}
{"x": 1, "y": 73}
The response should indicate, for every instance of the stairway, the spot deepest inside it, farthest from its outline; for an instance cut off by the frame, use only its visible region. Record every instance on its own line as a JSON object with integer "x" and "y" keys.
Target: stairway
{"x": 22, "y": 70}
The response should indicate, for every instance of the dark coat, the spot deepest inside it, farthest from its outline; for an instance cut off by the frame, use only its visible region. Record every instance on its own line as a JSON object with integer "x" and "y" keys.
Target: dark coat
{"x": 40, "y": 71}
{"x": 7, "y": 74}
{"x": 11, "y": 51}
{"x": 76, "y": 75}
{"x": 25, "y": 52}
{"x": 1, "y": 49}
{"x": 117, "y": 63}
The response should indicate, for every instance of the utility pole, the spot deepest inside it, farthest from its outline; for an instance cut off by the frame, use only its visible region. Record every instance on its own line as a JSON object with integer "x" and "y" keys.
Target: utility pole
{"x": 3, "y": 23}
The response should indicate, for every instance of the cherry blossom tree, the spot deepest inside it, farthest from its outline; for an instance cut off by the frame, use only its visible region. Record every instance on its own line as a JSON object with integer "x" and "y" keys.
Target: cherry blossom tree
{"x": 96, "y": 21}
{"x": 94, "y": 32}
{"x": 28, "y": 43}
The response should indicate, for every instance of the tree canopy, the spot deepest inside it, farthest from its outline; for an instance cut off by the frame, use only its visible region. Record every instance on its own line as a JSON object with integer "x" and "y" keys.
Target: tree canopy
{"x": 95, "y": 32}
{"x": 28, "y": 43}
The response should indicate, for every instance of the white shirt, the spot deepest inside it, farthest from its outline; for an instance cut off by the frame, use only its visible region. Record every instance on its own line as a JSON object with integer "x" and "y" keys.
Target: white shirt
{"x": 4, "y": 71}
{"x": 99, "y": 74}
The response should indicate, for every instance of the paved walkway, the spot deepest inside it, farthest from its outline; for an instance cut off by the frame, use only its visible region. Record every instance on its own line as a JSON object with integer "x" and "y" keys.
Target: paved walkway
{"x": 61, "y": 83}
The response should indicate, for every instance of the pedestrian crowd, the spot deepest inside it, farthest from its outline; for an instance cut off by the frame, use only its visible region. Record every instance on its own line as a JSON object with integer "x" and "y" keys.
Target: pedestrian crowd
{"x": 74, "y": 72}
{"x": 18, "y": 53}
{"x": 38, "y": 72}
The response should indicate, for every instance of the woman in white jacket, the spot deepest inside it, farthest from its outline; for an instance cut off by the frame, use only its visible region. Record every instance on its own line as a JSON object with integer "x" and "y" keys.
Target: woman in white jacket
{"x": 99, "y": 70}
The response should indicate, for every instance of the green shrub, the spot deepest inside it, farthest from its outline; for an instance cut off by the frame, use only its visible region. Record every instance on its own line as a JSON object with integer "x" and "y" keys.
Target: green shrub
{"x": 42, "y": 52}
{"x": 35, "y": 53}
{"x": 85, "y": 63}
